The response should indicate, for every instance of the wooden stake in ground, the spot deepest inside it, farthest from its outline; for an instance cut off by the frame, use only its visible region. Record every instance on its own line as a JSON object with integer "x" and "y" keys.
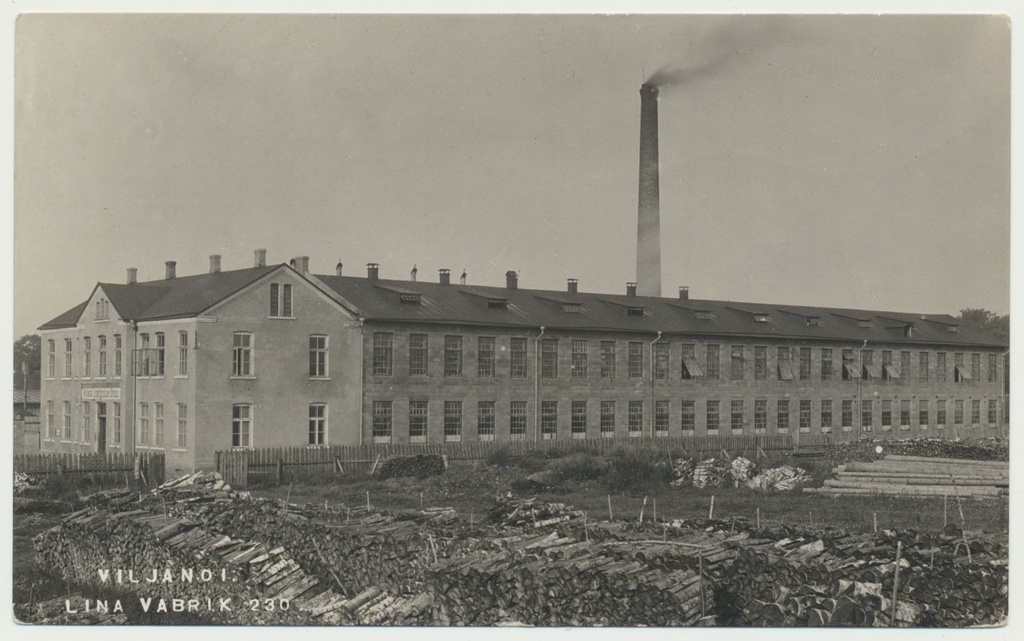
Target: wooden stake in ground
{"x": 374, "y": 468}
{"x": 944, "y": 520}
{"x": 895, "y": 584}
{"x": 367, "y": 500}
{"x": 711, "y": 512}
{"x": 288, "y": 497}
{"x": 874, "y": 519}
{"x": 643, "y": 506}
{"x": 421, "y": 500}
{"x": 654, "y": 510}
{"x": 610, "y": 518}
{"x": 700, "y": 569}
{"x": 758, "y": 512}
{"x": 963, "y": 522}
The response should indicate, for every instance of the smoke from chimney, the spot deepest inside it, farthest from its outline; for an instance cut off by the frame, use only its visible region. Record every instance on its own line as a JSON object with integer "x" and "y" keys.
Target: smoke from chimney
{"x": 648, "y": 229}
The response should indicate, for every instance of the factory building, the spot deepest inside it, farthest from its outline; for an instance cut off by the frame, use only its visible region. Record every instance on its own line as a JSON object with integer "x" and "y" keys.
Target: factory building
{"x": 275, "y": 356}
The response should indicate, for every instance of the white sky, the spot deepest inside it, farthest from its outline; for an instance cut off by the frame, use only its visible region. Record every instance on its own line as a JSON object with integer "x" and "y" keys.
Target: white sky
{"x": 818, "y": 160}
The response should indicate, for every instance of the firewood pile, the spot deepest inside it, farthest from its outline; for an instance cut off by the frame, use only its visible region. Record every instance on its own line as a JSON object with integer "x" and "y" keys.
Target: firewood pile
{"x": 779, "y": 479}
{"x": 711, "y": 472}
{"x": 532, "y": 513}
{"x": 865, "y": 450}
{"x": 714, "y": 472}
{"x": 420, "y": 466}
{"x": 682, "y": 473}
{"x": 919, "y": 476}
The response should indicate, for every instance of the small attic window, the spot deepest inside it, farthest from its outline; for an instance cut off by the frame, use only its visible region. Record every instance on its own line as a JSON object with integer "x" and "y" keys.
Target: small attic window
{"x": 497, "y": 303}
{"x": 574, "y": 308}
{"x": 908, "y": 330}
{"x": 953, "y": 328}
{"x": 814, "y": 320}
{"x": 635, "y": 311}
{"x": 703, "y": 314}
{"x": 760, "y": 318}
{"x": 412, "y": 298}
{"x": 864, "y": 322}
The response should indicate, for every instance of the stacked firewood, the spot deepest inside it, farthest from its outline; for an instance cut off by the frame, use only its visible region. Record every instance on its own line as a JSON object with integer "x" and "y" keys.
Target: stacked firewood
{"x": 532, "y": 513}
{"x": 420, "y": 466}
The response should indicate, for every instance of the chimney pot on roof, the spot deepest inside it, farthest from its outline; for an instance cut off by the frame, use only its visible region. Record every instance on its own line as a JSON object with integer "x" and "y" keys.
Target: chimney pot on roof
{"x": 630, "y": 289}
{"x": 445, "y": 276}
{"x": 372, "y": 271}
{"x": 684, "y": 293}
{"x": 511, "y": 280}
{"x": 260, "y": 258}
{"x": 302, "y": 264}
{"x": 573, "y": 285}
{"x": 338, "y": 267}
{"x": 214, "y": 263}
{"x": 169, "y": 269}
{"x": 132, "y": 275}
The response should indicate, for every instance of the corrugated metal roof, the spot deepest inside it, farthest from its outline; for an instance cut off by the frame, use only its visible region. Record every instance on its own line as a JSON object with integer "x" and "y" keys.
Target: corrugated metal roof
{"x": 19, "y": 396}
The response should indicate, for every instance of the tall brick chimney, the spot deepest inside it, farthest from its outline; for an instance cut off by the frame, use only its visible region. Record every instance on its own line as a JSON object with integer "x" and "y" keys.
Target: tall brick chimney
{"x": 444, "y": 276}
{"x": 133, "y": 275}
{"x": 214, "y": 263}
{"x": 372, "y": 271}
{"x": 648, "y": 229}
{"x": 259, "y": 257}
{"x": 169, "y": 269}
{"x": 511, "y": 280}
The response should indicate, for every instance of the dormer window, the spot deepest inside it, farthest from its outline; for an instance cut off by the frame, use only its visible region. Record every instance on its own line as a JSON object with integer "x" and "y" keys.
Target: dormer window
{"x": 864, "y": 322}
{"x": 411, "y": 298}
{"x": 953, "y": 328}
{"x": 576, "y": 308}
{"x": 703, "y": 314}
{"x": 760, "y": 318}
{"x": 635, "y": 311}
{"x": 497, "y": 303}
{"x": 814, "y": 320}
{"x": 908, "y": 331}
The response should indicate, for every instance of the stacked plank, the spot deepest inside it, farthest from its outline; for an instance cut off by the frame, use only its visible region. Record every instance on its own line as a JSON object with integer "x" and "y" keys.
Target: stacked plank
{"x": 919, "y": 476}
{"x": 532, "y": 513}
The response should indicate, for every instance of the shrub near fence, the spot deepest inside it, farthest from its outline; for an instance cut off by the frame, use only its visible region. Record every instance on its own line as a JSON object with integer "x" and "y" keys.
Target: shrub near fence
{"x": 285, "y": 464}
{"x": 101, "y": 469}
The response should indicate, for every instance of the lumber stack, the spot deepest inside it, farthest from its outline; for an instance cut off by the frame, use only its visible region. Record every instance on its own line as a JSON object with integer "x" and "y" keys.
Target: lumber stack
{"x": 919, "y": 476}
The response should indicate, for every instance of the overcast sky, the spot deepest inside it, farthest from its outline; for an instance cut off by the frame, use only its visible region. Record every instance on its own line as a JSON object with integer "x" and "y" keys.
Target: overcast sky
{"x": 814, "y": 160}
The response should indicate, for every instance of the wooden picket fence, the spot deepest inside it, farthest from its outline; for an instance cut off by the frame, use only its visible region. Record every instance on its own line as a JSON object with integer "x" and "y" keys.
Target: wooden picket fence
{"x": 285, "y": 464}
{"x": 101, "y": 469}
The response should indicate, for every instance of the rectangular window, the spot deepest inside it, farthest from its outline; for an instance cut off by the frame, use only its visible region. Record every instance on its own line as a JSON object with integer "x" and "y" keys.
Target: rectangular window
{"x": 850, "y": 369}
{"x": 760, "y": 416}
{"x": 280, "y": 300}
{"x": 940, "y": 413}
{"x": 580, "y": 352}
{"x": 383, "y": 353}
{"x": 993, "y": 368}
{"x": 922, "y": 367}
{"x": 736, "y": 360}
{"x": 485, "y": 420}
{"x": 805, "y": 363}
{"x": 381, "y": 422}
{"x": 517, "y": 420}
{"x": 712, "y": 417}
{"x": 144, "y": 358}
{"x": 905, "y": 414}
{"x": 102, "y": 356}
{"x": 636, "y": 359}
{"x": 241, "y": 356}
{"x": 922, "y": 413}
{"x": 866, "y": 416}
{"x": 318, "y": 423}
{"x": 826, "y": 415}
{"x": 847, "y": 415}
{"x": 182, "y": 439}
{"x": 805, "y": 415}
{"x": 993, "y": 412}
{"x": 453, "y": 420}
{"x": 317, "y": 358}
{"x": 548, "y": 419}
{"x": 661, "y": 361}
{"x": 579, "y": 419}
{"x": 760, "y": 363}
{"x": 87, "y": 361}
{"x": 485, "y": 356}
{"x": 636, "y": 418}
{"x": 549, "y": 358}
{"x": 785, "y": 364}
{"x": 976, "y": 412}
{"x": 67, "y": 358}
{"x": 161, "y": 348}
{"x": 182, "y": 353}
{"x": 143, "y": 435}
{"x": 51, "y": 427}
{"x": 158, "y": 422}
{"x": 826, "y": 363}
{"x": 116, "y": 440}
{"x": 608, "y": 359}
{"x": 886, "y": 415}
{"x": 736, "y": 416}
{"x": 958, "y": 368}
{"x": 690, "y": 367}
{"x": 67, "y": 420}
{"x": 782, "y": 416}
{"x": 86, "y": 434}
{"x": 940, "y": 367}
{"x": 713, "y": 372}
{"x": 418, "y": 355}
{"x": 905, "y": 366}
{"x": 117, "y": 355}
{"x": 958, "y": 412}
{"x": 418, "y": 421}
{"x": 241, "y": 425}
{"x": 661, "y": 418}
{"x": 51, "y": 358}
{"x": 517, "y": 364}
{"x": 976, "y": 367}
{"x": 688, "y": 418}
{"x": 607, "y": 418}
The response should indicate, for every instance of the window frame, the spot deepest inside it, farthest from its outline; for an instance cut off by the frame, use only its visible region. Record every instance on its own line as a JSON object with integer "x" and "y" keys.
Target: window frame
{"x": 453, "y": 344}
{"x": 183, "y": 352}
{"x": 419, "y": 414}
{"x": 518, "y": 357}
{"x": 608, "y": 360}
{"x": 486, "y": 359}
{"x": 580, "y": 356}
{"x": 242, "y": 427}
{"x": 382, "y": 424}
{"x": 452, "y": 421}
{"x": 319, "y": 357}
{"x": 181, "y": 440}
{"x": 419, "y": 354}
{"x": 486, "y": 420}
{"x": 383, "y": 354}
{"x": 549, "y": 358}
{"x": 243, "y": 356}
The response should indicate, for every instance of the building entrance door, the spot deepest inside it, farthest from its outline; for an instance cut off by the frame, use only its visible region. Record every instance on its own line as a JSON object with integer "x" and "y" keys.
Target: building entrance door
{"x": 101, "y": 428}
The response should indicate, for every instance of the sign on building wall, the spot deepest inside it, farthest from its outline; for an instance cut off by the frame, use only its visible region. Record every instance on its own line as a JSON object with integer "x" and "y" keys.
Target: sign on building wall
{"x": 101, "y": 394}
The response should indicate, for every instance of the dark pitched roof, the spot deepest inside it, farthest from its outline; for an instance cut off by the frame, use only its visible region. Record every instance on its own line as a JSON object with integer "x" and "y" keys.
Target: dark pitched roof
{"x": 174, "y": 298}
{"x": 380, "y": 300}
